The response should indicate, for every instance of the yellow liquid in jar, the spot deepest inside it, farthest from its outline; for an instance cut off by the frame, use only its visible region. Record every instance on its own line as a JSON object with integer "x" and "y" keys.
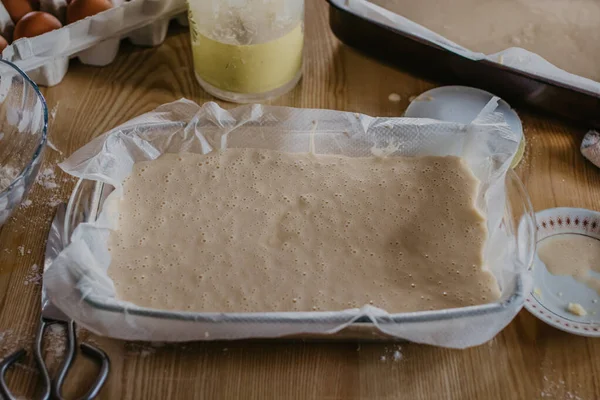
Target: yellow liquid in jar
{"x": 253, "y": 68}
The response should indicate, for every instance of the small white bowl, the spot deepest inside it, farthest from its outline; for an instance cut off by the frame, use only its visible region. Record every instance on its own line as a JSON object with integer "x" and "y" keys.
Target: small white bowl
{"x": 462, "y": 104}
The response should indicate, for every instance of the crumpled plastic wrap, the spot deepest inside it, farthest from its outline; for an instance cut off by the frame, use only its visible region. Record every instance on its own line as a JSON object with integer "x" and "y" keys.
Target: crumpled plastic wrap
{"x": 514, "y": 57}
{"x": 78, "y": 284}
{"x": 590, "y": 147}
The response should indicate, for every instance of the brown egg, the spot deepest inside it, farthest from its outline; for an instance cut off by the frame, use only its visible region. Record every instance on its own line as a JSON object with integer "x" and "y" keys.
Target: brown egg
{"x": 80, "y": 9}
{"x": 34, "y": 24}
{"x": 17, "y": 8}
{"x": 3, "y": 44}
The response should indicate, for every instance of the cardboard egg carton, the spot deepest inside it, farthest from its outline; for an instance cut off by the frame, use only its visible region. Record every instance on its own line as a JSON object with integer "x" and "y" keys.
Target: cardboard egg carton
{"x": 94, "y": 40}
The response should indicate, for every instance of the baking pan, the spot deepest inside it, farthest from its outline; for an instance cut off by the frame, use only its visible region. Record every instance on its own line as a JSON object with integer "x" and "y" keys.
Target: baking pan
{"x": 86, "y": 204}
{"x": 77, "y": 281}
{"x": 426, "y": 59}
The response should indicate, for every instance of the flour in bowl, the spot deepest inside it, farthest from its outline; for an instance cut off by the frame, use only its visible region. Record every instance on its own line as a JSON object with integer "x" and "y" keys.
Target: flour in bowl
{"x": 249, "y": 230}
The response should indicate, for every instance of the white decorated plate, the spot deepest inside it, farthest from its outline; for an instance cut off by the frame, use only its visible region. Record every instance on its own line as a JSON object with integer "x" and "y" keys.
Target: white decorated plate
{"x": 551, "y": 294}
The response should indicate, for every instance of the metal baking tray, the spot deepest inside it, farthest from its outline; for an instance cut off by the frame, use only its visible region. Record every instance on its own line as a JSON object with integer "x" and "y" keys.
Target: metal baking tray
{"x": 426, "y": 59}
{"x": 86, "y": 204}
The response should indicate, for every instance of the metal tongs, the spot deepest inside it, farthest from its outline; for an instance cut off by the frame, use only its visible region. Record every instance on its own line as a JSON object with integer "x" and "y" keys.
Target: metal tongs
{"x": 51, "y": 315}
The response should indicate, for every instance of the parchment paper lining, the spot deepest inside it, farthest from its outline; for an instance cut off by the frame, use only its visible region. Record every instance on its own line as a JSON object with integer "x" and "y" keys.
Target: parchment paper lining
{"x": 79, "y": 272}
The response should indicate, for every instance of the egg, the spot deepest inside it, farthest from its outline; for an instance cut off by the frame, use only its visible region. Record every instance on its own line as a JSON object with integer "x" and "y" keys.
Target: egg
{"x": 17, "y": 8}
{"x": 34, "y": 24}
{"x": 3, "y": 44}
{"x": 80, "y": 9}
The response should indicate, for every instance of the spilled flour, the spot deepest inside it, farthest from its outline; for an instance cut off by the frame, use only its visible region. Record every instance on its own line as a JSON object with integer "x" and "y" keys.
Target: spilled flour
{"x": 47, "y": 178}
{"x": 48, "y": 181}
{"x": 7, "y": 175}
{"x": 392, "y": 354}
{"x": 34, "y": 276}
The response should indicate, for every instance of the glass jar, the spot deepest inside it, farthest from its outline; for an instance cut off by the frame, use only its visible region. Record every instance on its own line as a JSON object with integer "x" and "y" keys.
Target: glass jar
{"x": 247, "y": 50}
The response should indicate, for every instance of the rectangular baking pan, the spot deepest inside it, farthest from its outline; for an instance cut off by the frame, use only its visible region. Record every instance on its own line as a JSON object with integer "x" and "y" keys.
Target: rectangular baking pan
{"x": 86, "y": 203}
{"x": 423, "y": 58}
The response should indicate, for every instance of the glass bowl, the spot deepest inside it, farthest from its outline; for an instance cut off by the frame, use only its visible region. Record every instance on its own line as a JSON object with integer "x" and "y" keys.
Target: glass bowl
{"x": 23, "y": 135}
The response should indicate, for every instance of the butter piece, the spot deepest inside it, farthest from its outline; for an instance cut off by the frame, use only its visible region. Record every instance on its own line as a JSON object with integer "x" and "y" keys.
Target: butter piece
{"x": 576, "y": 309}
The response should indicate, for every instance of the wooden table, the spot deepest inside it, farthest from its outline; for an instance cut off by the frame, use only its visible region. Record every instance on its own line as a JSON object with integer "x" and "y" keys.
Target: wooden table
{"x": 528, "y": 360}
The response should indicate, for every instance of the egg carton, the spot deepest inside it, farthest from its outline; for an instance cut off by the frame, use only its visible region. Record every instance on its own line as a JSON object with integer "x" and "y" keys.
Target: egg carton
{"x": 94, "y": 40}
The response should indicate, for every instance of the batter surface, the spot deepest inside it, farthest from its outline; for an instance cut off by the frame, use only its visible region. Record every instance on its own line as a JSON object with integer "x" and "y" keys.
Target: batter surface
{"x": 572, "y": 255}
{"x": 259, "y": 230}
{"x": 564, "y": 32}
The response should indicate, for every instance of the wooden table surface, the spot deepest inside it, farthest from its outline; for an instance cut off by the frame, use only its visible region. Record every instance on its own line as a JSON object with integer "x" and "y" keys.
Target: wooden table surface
{"x": 528, "y": 360}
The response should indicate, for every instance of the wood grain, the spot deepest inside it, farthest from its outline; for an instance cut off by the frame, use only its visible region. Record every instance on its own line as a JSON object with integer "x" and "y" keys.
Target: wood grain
{"x": 528, "y": 360}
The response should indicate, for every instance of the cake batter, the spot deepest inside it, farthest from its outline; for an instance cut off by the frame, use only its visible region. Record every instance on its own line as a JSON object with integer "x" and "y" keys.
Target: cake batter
{"x": 572, "y": 255}
{"x": 564, "y": 32}
{"x": 243, "y": 230}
